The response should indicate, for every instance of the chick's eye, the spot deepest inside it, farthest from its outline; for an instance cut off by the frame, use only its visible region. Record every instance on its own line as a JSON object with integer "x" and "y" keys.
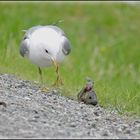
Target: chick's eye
{"x": 46, "y": 51}
{"x": 90, "y": 97}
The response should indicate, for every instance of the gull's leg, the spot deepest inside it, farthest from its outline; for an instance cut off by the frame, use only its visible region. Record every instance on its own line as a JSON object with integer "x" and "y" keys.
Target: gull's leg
{"x": 40, "y": 74}
{"x": 44, "y": 89}
{"x": 58, "y": 79}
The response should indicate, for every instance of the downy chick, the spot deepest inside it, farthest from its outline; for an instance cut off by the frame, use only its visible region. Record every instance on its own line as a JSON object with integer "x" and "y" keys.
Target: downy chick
{"x": 87, "y": 94}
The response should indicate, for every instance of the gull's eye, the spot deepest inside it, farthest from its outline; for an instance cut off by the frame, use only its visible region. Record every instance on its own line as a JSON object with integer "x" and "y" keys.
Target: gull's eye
{"x": 46, "y": 51}
{"x": 25, "y": 37}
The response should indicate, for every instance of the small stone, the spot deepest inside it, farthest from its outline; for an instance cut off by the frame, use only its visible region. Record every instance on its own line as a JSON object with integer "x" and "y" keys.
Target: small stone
{"x": 59, "y": 124}
{"x": 137, "y": 121}
{"x": 127, "y": 131}
{"x": 72, "y": 125}
{"x": 81, "y": 107}
{"x": 96, "y": 119}
{"x": 93, "y": 125}
{"x": 105, "y": 133}
{"x": 44, "y": 122}
{"x": 36, "y": 112}
{"x": 33, "y": 120}
{"x": 88, "y": 132}
{"x": 55, "y": 92}
{"x": 54, "y": 98}
{"x": 27, "y": 98}
{"x": 36, "y": 117}
{"x": 87, "y": 119}
{"x": 3, "y": 104}
{"x": 21, "y": 85}
{"x": 96, "y": 113}
{"x": 44, "y": 97}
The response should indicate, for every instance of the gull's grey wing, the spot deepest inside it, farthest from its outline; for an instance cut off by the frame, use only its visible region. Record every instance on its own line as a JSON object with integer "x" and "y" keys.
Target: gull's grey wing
{"x": 66, "y": 47}
{"x": 24, "y": 48}
{"x": 25, "y": 40}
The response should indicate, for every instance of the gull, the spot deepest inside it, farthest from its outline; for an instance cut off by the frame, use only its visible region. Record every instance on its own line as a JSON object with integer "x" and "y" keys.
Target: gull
{"x": 44, "y": 46}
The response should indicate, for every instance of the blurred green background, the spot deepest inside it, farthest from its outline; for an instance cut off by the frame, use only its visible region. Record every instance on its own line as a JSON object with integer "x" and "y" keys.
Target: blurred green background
{"x": 105, "y": 39}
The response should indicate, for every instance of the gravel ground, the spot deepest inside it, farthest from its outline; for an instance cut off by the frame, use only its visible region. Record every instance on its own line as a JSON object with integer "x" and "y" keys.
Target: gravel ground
{"x": 30, "y": 113}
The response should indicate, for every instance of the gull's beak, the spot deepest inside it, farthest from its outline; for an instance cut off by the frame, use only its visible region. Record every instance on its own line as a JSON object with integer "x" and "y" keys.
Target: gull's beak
{"x": 54, "y": 62}
{"x": 58, "y": 80}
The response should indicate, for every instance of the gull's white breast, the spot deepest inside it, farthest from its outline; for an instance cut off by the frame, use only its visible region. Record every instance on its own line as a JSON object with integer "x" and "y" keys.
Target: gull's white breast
{"x": 42, "y": 40}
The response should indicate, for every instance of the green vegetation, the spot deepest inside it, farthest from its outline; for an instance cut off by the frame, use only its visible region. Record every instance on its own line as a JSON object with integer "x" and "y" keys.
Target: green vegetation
{"x": 105, "y": 40}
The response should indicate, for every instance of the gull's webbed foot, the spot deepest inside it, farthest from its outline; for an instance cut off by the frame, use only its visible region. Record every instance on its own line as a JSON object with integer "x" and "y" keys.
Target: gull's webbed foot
{"x": 44, "y": 89}
{"x": 58, "y": 82}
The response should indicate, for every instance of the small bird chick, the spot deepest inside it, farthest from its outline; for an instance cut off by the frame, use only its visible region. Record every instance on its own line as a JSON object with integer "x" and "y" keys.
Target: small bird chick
{"x": 87, "y": 94}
